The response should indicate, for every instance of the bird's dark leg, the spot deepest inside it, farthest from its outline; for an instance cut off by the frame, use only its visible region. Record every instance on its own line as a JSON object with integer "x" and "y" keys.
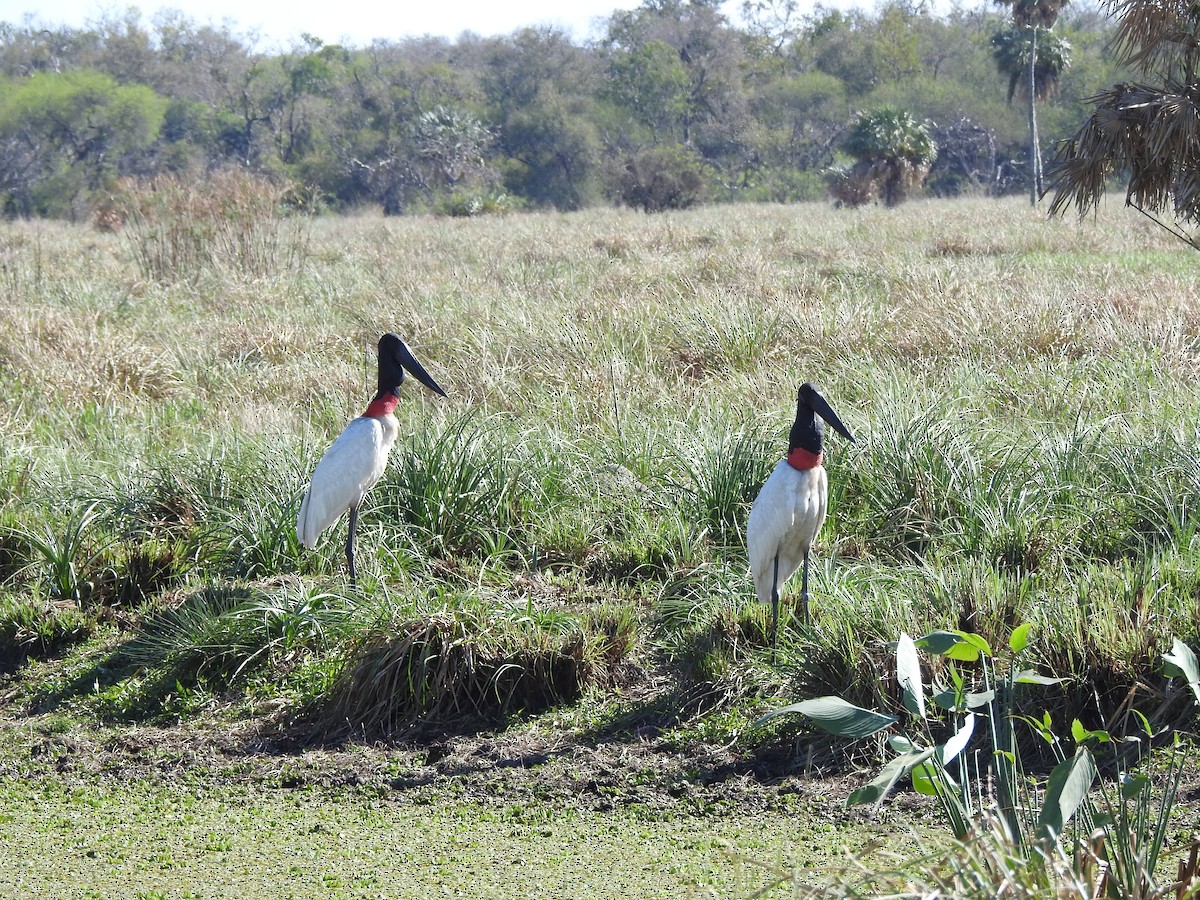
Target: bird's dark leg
{"x": 804, "y": 590}
{"x": 775, "y": 603}
{"x": 350, "y": 544}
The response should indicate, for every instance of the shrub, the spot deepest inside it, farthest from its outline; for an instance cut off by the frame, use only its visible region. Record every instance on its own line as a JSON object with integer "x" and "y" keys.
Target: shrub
{"x": 461, "y": 666}
{"x": 662, "y": 178}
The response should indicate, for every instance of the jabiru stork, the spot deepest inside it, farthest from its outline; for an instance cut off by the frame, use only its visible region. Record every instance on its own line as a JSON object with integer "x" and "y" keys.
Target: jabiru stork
{"x": 790, "y": 507}
{"x": 358, "y": 458}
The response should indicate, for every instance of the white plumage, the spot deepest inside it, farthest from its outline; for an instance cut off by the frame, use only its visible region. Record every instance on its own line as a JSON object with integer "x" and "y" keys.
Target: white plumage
{"x": 790, "y": 508}
{"x": 358, "y": 458}
{"x": 784, "y": 521}
{"x": 348, "y": 469}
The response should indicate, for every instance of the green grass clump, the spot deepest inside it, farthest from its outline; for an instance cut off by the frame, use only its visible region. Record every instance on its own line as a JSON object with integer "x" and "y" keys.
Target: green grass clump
{"x": 470, "y": 664}
{"x": 33, "y": 627}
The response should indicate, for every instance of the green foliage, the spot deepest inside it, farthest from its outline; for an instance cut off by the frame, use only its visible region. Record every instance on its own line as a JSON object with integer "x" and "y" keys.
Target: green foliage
{"x": 531, "y": 116}
{"x": 467, "y": 663}
{"x": 893, "y": 154}
{"x": 652, "y": 83}
{"x": 630, "y": 378}
{"x": 465, "y": 488}
{"x": 1011, "y": 51}
{"x": 70, "y": 134}
{"x": 1117, "y": 846}
{"x": 32, "y": 627}
{"x": 218, "y": 634}
{"x": 466, "y": 203}
{"x": 722, "y": 478}
{"x": 888, "y": 133}
{"x": 67, "y": 553}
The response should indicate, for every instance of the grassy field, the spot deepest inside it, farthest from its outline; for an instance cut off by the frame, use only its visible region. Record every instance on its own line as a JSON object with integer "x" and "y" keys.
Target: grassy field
{"x": 556, "y": 549}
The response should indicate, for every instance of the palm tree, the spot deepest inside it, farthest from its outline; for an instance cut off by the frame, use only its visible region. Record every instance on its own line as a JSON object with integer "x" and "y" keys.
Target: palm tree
{"x": 1010, "y": 50}
{"x": 1149, "y": 130}
{"x": 892, "y": 152}
{"x": 1028, "y": 16}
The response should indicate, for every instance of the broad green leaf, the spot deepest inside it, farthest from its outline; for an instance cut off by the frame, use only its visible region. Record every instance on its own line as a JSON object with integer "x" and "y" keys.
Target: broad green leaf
{"x": 908, "y": 673}
{"x": 974, "y": 640}
{"x": 959, "y": 740}
{"x": 949, "y": 644}
{"x": 947, "y": 698}
{"x": 1031, "y": 677}
{"x": 877, "y": 788}
{"x": 1144, "y": 722}
{"x": 1042, "y": 726}
{"x": 923, "y": 779}
{"x": 963, "y": 652}
{"x": 835, "y": 715}
{"x": 1182, "y": 661}
{"x": 1065, "y": 792}
{"x": 900, "y": 743}
{"x": 1081, "y": 734}
{"x": 1019, "y": 639}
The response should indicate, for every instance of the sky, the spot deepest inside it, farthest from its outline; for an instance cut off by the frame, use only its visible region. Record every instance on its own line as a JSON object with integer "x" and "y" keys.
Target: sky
{"x": 351, "y": 22}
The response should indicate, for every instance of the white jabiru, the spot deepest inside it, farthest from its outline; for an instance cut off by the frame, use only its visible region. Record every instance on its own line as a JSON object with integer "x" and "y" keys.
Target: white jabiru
{"x": 790, "y": 508}
{"x": 358, "y": 458}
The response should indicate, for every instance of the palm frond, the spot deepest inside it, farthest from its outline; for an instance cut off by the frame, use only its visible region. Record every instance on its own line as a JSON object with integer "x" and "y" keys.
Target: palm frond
{"x": 1151, "y": 132}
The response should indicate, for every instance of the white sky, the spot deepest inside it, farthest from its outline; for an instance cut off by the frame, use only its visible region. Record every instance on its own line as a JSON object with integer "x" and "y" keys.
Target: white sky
{"x": 351, "y": 22}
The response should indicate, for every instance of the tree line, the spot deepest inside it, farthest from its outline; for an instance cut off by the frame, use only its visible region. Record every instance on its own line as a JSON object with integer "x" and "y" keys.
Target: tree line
{"x": 674, "y": 104}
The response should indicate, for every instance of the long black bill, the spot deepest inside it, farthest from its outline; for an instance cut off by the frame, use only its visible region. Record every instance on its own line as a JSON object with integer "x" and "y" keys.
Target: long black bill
{"x": 822, "y": 408}
{"x": 409, "y": 362}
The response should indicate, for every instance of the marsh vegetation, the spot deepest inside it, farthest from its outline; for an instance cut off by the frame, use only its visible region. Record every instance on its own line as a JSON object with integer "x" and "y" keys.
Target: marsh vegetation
{"x": 556, "y": 550}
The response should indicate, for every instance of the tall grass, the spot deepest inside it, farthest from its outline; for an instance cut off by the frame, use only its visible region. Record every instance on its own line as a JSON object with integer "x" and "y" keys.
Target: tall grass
{"x": 230, "y": 222}
{"x": 1022, "y": 391}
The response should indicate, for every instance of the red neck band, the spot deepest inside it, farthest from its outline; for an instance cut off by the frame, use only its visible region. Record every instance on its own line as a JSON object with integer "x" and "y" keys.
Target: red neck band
{"x": 803, "y": 459}
{"x": 383, "y": 405}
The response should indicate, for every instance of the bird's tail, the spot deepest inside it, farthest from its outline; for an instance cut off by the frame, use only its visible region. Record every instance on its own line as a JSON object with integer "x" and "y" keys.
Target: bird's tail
{"x": 305, "y": 531}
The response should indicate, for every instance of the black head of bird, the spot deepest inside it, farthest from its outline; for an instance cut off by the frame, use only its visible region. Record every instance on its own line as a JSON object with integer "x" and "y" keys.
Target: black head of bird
{"x": 808, "y": 432}
{"x": 394, "y": 360}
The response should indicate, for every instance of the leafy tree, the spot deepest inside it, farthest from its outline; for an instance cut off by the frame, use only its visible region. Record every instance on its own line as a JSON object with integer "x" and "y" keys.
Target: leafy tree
{"x": 894, "y": 51}
{"x": 308, "y": 79}
{"x": 1010, "y": 49}
{"x": 892, "y": 152}
{"x": 69, "y": 135}
{"x": 651, "y": 83}
{"x": 709, "y": 104}
{"x": 776, "y": 20}
{"x": 799, "y": 120}
{"x": 761, "y": 107}
{"x": 541, "y": 89}
{"x": 836, "y": 43}
{"x": 376, "y": 125}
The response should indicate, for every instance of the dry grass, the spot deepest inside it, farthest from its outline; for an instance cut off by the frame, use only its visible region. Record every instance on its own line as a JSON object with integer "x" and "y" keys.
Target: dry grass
{"x": 735, "y": 302}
